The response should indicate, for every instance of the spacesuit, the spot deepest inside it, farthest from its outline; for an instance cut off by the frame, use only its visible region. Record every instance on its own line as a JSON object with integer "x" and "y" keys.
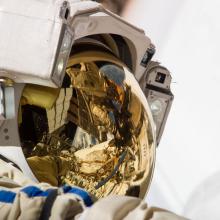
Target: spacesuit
{"x": 79, "y": 102}
{"x": 21, "y": 198}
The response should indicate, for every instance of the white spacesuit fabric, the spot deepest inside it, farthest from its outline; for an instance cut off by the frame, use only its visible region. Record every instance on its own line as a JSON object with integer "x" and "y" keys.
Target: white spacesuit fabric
{"x": 21, "y": 198}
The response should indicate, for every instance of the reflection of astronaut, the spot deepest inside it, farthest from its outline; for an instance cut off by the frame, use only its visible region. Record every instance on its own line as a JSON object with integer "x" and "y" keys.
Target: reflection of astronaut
{"x": 88, "y": 136}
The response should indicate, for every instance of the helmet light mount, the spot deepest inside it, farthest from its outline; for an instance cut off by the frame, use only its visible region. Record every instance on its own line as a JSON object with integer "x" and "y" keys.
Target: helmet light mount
{"x": 156, "y": 86}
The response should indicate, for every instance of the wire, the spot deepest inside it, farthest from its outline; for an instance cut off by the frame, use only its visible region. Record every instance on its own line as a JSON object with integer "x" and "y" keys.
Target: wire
{"x": 120, "y": 161}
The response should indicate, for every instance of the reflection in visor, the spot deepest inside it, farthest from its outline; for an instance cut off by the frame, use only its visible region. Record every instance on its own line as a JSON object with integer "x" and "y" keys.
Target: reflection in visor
{"x": 97, "y": 131}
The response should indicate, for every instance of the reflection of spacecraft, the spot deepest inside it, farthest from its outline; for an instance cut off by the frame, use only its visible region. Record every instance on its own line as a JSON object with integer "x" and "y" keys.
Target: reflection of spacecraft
{"x": 68, "y": 91}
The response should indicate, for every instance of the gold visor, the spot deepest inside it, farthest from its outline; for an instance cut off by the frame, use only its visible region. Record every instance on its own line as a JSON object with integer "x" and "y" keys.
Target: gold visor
{"x": 95, "y": 132}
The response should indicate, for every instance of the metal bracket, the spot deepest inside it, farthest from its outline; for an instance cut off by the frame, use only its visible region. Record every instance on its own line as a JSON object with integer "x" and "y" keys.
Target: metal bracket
{"x": 148, "y": 56}
{"x": 65, "y": 10}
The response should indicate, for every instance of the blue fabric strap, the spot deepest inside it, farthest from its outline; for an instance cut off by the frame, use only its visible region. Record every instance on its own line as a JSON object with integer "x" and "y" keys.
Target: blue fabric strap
{"x": 33, "y": 191}
{"x": 80, "y": 192}
{"x": 7, "y": 196}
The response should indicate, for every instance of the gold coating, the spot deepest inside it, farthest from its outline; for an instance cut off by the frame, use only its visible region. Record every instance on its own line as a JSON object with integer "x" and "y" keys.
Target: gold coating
{"x": 112, "y": 149}
{"x": 39, "y": 96}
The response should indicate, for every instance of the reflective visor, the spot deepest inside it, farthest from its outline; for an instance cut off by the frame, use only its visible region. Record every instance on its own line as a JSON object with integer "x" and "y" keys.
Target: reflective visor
{"x": 97, "y": 133}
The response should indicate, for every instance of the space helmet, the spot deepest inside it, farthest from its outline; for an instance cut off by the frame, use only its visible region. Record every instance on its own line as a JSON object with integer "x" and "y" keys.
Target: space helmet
{"x": 77, "y": 101}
